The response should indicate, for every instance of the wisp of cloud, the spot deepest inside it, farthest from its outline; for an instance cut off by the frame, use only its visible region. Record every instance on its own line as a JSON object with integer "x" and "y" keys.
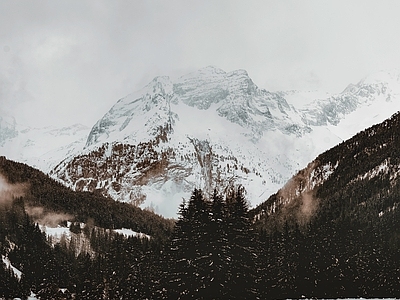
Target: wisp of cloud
{"x": 10, "y": 191}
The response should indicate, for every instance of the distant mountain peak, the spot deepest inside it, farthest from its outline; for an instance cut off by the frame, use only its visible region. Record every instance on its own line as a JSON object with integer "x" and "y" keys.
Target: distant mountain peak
{"x": 7, "y": 128}
{"x": 239, "y": 72}
{"x": 383, "y": 76}
{"x": 210, "y": 70}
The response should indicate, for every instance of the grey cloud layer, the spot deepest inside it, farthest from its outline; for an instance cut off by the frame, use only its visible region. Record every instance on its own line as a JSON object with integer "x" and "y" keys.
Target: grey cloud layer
{"x": 69, "y": 61}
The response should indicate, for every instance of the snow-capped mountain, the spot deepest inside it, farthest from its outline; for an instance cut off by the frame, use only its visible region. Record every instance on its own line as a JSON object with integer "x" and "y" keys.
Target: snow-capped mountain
{"x": 42, "y": 148}
{"x": 371, "y": 101}
{"x": 232, "y": 96}
{"x": 212, "y": 128}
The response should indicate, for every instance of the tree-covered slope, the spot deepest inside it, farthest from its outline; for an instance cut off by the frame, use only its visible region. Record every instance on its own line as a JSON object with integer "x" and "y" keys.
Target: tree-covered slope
{"x": 91, "y": 261}
{"x": 333, "y": 229}
{"x": 361, "y": 173}
{"x": 40, "y": 191}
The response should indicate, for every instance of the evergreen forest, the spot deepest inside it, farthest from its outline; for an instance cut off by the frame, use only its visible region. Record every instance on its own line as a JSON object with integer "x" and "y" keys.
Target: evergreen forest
{"x": 214, "y": 252}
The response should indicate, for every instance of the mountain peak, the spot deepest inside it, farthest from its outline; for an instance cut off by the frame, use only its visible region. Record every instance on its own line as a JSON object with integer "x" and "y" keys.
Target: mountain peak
{"x": 211, "y": 70}
{"x": 239, "y": 72}
{"x": 383, "y": 76}
{"x": 159, "y": 85}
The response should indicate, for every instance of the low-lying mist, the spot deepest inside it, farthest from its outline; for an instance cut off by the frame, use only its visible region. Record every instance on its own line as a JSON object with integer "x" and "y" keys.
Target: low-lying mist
{"x": 11, "y": 191}
{"x": 298, "y": 193}
{"x": 47, "y": 218}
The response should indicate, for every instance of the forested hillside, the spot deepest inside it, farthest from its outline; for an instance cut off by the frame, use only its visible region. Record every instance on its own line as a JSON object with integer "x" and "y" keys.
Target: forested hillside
{"x": 117, "y": 266}
{"x": 333, "y": 230}
{"x": 44, "y": 192}
{"x": 109, "y": 264}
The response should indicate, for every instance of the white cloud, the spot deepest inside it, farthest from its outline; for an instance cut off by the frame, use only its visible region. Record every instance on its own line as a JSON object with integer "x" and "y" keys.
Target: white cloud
{"x": 67, "y": 62}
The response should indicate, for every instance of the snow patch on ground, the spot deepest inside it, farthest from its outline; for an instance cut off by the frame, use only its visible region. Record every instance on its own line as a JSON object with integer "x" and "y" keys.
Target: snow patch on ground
{"x": 389, "y": 209}
{"x": 383, "y": 168}
{"x": 7, "y": 262}
{"x": 56, "y": 232}
{"x": 129, "y": 233}
{"x": 321, "y": 174}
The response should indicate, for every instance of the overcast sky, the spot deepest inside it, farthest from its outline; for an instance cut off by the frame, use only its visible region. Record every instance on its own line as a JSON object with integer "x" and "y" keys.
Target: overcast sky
{"x": 66, "y": 62}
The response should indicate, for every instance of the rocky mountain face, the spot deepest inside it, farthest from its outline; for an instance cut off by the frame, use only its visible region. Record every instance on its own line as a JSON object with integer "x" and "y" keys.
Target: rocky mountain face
{"x": 212, "y": 128}
{"x": 207, "y": 129}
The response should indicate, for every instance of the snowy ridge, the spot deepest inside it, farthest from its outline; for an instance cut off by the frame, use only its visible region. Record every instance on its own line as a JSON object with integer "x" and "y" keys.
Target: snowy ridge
{"x": 43, "y": 148}
{"x": 128, "y": 233}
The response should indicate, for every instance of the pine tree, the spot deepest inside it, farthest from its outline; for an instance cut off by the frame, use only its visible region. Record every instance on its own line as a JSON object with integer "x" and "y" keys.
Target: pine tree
{"x": 242, "y": 281}
{"x": 218, "y": 244}
{"x": 174, "y": 262}
{"x": 199, "y": 251}
{"x": 187, "y": 271}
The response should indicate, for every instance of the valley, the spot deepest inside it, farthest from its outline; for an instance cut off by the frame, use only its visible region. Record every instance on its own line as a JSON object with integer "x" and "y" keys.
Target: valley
{"x": 98, "y": 216}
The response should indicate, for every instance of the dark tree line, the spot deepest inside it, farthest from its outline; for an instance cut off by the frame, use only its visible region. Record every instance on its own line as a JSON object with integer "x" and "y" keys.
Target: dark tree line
{"x": 215, "y": 252}
{"x": 349, "y": 248}
{"x": 209, "y": 256}
{"x": 218, "y": 252}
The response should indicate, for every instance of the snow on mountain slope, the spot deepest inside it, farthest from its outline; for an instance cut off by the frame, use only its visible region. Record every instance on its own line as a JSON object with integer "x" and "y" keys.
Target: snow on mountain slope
{"x": 205, "y": 127}
{"x": 42, "y": 148}
{"x": 232, "y": 96}
{"x": 212, "y": 128}
{"x": 378, "y": 97}
{"x": 301, "y": 99}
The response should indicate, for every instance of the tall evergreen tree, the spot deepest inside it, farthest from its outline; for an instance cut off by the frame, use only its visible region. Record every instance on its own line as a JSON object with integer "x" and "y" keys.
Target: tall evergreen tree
{"x": 242, "y": 281}
{"x": 174, "y": 259}
{"x": 219, "y": 248}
